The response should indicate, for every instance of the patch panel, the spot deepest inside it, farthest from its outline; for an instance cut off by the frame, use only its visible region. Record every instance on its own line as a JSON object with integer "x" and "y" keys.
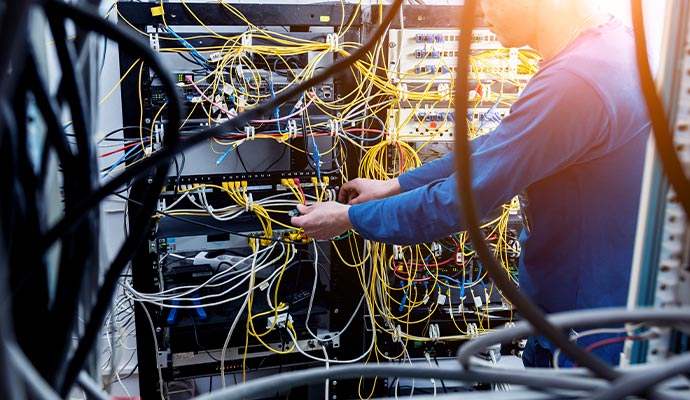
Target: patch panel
{"x": 430, "y": 38}
{"x": 415, "y": 125}
{"x": 255, "y": 89}
{"x": 414, "y": 54}
{"x": 438, "y": 125}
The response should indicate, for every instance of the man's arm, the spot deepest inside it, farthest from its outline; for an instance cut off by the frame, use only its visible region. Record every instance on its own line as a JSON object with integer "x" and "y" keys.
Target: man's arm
{"x": 545, "y": 133}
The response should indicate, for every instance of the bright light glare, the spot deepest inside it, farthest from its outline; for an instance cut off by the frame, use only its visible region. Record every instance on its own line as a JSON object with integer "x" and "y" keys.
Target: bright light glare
{"x": 619, "y": 8}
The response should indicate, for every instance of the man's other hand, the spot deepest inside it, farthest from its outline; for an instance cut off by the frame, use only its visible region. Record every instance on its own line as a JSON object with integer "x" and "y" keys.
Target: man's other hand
{"x": 361, "y": 190}
{"x": 323, "y": 221}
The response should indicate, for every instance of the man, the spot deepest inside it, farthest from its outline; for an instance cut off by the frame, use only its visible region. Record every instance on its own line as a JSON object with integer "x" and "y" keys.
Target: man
{"x": 572, "y": 147}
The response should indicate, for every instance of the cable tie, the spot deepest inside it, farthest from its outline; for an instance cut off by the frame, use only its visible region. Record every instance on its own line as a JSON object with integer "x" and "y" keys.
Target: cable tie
{"x": 157, "y": 11}
{"x": 444, "y": 91}
{"x": 292, "y": 128}
{"x": 246, "y": 43}
{"x": 337, "y": 126}
{"x": 397, "y": 252}
{"x": 250, "y": 131}
{"x": 395, "y": 335}
{"x": 402, "y": 91}
{"x": 248, "y": 202}
{"x": 332, "y": 41}
{"x": 392, "y": 137}
{"x": 154, "y": 42}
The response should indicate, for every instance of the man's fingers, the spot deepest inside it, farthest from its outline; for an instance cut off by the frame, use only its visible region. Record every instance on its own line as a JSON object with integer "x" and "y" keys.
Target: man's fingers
{"x": 303, "y": 209}
{"x": 343, "y": 195}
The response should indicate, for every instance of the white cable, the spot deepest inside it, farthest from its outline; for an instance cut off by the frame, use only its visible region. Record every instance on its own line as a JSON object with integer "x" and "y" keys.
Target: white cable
{"x": 325, "y": 356}
{"x": 323, "y": 360}
{"x": 313, "y": 291}
{"x": 287, "y": 265}
{"x": 155, "y": 348}
{"x": 237, "y": 317}
{"x": 157, "y": 298}
{"x": 427, "y": 356}
{"x": 557, "y": 353}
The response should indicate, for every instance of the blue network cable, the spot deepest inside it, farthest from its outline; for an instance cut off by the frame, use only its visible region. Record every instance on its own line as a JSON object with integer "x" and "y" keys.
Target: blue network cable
{"x": 201, "y": 60}
{"x": 124, "y": 157}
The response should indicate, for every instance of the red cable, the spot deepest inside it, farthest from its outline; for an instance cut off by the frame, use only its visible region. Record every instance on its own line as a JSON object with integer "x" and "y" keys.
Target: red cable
{"x": 605, "y": 342}
{"x": 304, "y": 198}
{"x": 120, "y": 149}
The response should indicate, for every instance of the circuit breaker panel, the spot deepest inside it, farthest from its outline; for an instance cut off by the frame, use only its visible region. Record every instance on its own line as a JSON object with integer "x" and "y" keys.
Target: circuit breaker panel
{"x": 225, "y": 285}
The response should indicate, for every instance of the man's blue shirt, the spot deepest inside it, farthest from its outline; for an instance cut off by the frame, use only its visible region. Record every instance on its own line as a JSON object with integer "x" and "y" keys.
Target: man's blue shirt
{"x": 573, "y": 147}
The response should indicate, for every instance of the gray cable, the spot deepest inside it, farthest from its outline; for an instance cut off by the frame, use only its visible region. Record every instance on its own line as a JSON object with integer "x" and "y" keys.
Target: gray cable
{"x": 292, "y": 379}
{"x": 86, "y": 382}
{"x": 525, "y": 394}
{"x": 579, "y": 318}
{"x": 638, "y": 382}
{"x": 36, "y": 386}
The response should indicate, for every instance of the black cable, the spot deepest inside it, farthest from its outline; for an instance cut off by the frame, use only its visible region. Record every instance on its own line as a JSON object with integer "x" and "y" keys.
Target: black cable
{"x": 9, "y": 388}
{"x": 179, "y": 166}
{"x": 443, "y": 383}
{"x": 131, "y": 372}
{"x": 139, "y": 226}
{"x": 93, "y": 21}
{"x": 123, "y": 129}
{"x": 471, "y": 221}
{"x": 282, "y": 154}
{"x": 13, "y": 34}
{"x": 49, "y": 112}
{"x": 162, "y": 156}
{"x": 239, "y": 157}
{"x": 196, "y": 337}
{"x": 663, "y": 137}
{"x": 79, "y": 247}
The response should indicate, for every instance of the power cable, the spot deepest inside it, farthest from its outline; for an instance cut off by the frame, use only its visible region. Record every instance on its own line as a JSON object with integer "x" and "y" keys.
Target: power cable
{"x": 663, "y": 136}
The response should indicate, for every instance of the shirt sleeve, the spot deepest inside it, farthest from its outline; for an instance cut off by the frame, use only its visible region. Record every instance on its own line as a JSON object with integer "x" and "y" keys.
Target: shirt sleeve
{"x": 558, "y": 121}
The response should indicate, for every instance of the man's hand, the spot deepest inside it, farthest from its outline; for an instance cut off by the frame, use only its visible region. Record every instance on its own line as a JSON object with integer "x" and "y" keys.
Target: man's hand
{"x": 323, "y": 221}
{"x": 361, "y": 190}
